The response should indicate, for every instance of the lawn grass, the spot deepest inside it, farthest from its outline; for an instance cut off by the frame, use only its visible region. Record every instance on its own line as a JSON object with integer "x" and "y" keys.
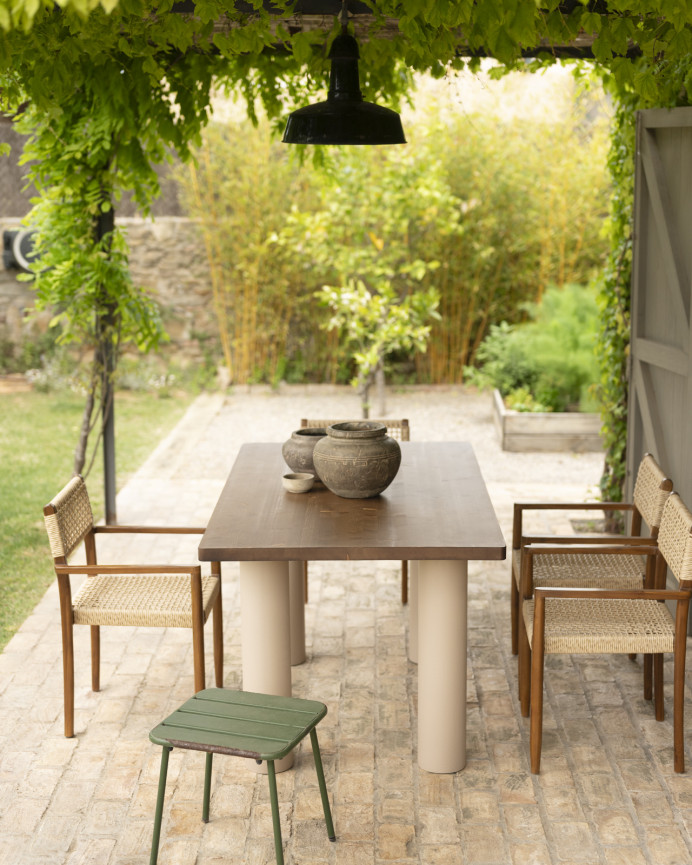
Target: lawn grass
{"x": 38, "y": 435}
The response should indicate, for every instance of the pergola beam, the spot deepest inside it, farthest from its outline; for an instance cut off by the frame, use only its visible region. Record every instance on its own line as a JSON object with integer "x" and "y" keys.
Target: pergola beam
{"x": 311, "y": 15}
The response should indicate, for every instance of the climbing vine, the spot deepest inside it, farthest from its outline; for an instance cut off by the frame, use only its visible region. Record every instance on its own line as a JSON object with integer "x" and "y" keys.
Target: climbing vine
{"x": 614, "y": 301}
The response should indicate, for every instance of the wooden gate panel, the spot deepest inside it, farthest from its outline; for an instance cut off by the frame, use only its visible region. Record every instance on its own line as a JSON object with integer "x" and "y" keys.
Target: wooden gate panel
{"x": 660, "y": 388}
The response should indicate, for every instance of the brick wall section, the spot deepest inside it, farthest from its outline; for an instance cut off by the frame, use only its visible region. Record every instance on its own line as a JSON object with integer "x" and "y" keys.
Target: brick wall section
{"x": 167, "y": 257}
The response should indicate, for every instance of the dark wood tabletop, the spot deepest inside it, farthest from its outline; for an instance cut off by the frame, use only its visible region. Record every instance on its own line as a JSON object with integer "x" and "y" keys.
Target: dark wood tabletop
{"x": 437, "y": 507}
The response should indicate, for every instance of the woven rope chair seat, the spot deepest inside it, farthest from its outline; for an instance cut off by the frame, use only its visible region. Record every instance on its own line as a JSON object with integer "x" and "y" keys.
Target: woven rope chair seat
{"x": 590, "y": 570}
{"x": 150, "y": 600}
{"x": 611, "y": 625}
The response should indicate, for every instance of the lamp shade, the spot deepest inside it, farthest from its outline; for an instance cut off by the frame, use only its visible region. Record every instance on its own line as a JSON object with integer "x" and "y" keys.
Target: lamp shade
{"x": 345, "y": 118}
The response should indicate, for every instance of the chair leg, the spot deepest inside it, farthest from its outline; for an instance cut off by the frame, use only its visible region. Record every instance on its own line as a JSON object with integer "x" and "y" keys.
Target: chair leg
{"x": 647, "y": 661}
{"x": 217, "y": 630}
{"x": 515, "y": 613}
{"x": 524, "y": 667}
{"x": 198, "y": 658}
{"x": 197, "y": 631}
{"x": 679, "y": 650}
{"x": 207, "y": 787}
{"x": 165, "y": 753}
{"x": 658, "y": 686}
{"x": 305, "y": 580}
{"x": 537, "y": 662}
{"x": 404, "y": 582}
{"x": 273, "y": 796}
{"x": 323, "y": 786}
{"x": 95, "y": 658}
{"x": 67, "y": 654}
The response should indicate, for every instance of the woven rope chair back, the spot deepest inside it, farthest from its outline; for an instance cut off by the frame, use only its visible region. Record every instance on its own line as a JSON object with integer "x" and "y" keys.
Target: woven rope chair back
{"x": 397, "y": 429}
{"x": 650, "y": 493}
{"x": 72, "y": 520}
{"x": 675, "y": 538}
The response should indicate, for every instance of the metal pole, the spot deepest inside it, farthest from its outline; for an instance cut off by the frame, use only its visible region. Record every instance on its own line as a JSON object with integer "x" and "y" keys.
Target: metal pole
{"x": 104, "y": 225}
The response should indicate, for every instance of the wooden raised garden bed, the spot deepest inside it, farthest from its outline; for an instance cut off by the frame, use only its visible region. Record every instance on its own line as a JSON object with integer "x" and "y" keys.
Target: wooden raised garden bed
{"x": 546, "y": 431}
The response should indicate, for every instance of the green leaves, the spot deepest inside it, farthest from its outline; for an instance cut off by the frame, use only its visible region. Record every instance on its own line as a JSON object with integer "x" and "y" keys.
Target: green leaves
{"x": 374, "y": 324}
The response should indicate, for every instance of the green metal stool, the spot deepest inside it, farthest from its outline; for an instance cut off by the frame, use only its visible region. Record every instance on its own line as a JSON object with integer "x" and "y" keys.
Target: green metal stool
{"x": 241, "y": 724}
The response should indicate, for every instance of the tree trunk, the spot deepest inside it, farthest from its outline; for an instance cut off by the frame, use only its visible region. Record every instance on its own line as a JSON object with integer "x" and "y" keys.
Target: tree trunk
{"x": 364, "y": 391}
{"x": 85, "y": 429}
{"x": 380, "y": 390}
{"x": 106, "y": 353}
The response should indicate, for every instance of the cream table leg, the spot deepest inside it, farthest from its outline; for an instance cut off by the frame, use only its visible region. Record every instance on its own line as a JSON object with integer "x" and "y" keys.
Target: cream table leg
{"x": 266, "y": 634}
{"x": 413, "y": 612}
{"x": 296, "y": 588}
{"x": 442, "y": 597}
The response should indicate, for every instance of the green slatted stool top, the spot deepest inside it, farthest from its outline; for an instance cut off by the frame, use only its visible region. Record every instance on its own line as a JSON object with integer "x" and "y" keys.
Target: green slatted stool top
{"x": 240, "y": 724}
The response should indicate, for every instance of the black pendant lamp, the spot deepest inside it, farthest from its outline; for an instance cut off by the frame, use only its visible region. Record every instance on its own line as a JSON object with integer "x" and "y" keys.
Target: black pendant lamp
{"x": 345, "y": 118}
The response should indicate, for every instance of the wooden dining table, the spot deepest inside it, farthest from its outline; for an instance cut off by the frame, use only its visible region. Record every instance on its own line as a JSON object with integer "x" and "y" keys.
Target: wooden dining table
{"x": 436, "y": 514}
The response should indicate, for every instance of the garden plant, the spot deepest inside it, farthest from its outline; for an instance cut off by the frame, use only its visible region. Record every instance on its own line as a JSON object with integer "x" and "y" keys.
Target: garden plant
{"x": 547, "y": 363}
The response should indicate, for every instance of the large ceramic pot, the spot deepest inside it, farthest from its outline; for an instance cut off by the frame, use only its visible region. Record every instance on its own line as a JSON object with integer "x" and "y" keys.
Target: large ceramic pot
{"x": 297, "y": 451}
{"x": 357, "y": 459}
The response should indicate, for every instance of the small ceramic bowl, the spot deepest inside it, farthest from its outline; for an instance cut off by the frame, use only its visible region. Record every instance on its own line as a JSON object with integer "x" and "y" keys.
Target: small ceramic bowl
{"x": 298, "y": 482}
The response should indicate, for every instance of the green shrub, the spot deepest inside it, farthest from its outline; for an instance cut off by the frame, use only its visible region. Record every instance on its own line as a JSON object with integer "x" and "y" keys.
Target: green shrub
{"x": 547, "y": 363}
{"x": 31, "y": 353}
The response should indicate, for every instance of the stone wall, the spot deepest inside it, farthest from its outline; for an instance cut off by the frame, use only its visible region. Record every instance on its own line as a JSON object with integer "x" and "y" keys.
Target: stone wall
{"x": 166, "y": 256}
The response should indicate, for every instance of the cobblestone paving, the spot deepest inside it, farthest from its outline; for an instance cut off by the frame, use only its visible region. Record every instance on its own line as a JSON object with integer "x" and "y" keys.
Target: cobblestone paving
{"x": 607, "y": 793}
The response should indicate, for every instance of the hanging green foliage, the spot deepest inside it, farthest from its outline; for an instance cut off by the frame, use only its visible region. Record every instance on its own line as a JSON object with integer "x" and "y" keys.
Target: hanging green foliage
{"x": 614, "y": 303}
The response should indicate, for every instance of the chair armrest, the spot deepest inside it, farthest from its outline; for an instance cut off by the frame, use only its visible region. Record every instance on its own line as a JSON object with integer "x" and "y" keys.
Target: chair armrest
{"x": 141, "y": 530}
{"x": 646, "y": 549}
{"x": 577, "y": 540}
{"x": 93, "y": 570}
{"x": 520, "y": 507}
{"x": 618, "y": 594}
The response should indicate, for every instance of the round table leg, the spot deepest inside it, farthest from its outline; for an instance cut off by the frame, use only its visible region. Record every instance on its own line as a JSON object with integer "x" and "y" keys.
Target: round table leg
{"x": 413, "y": 612}
{"x": 442, "y": 597}
{"x": 266, "y": 634}
{"x": 296, "y": 583}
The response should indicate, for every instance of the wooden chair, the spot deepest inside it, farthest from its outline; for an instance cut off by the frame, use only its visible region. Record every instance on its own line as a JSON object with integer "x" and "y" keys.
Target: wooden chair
{"x": 597, "y": 620}
{"x": 651, "y": 490}
{"x": 241, "y": 724}
{"x": 169, "y": 596}
{"x": 397, "y": 429}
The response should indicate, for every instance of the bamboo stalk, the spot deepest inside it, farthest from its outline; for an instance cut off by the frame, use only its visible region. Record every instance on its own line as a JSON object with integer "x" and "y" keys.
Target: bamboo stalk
{"x": 214, "y": 259}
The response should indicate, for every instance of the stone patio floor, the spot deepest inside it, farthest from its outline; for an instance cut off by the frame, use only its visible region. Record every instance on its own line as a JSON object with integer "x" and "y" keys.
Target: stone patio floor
{"x": 607, "y": 793}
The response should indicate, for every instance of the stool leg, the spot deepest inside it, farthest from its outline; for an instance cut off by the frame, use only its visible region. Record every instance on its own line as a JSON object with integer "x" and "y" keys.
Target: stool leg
{"x": 278, "y": 846}
{"x": 207, "y": 788}
{"x": 323, "y": 787}
{"x": 165, "y": 752}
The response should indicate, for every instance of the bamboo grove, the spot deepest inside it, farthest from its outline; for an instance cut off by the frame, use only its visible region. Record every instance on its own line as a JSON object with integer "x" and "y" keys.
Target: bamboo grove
{"x": 485, "y": 209}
